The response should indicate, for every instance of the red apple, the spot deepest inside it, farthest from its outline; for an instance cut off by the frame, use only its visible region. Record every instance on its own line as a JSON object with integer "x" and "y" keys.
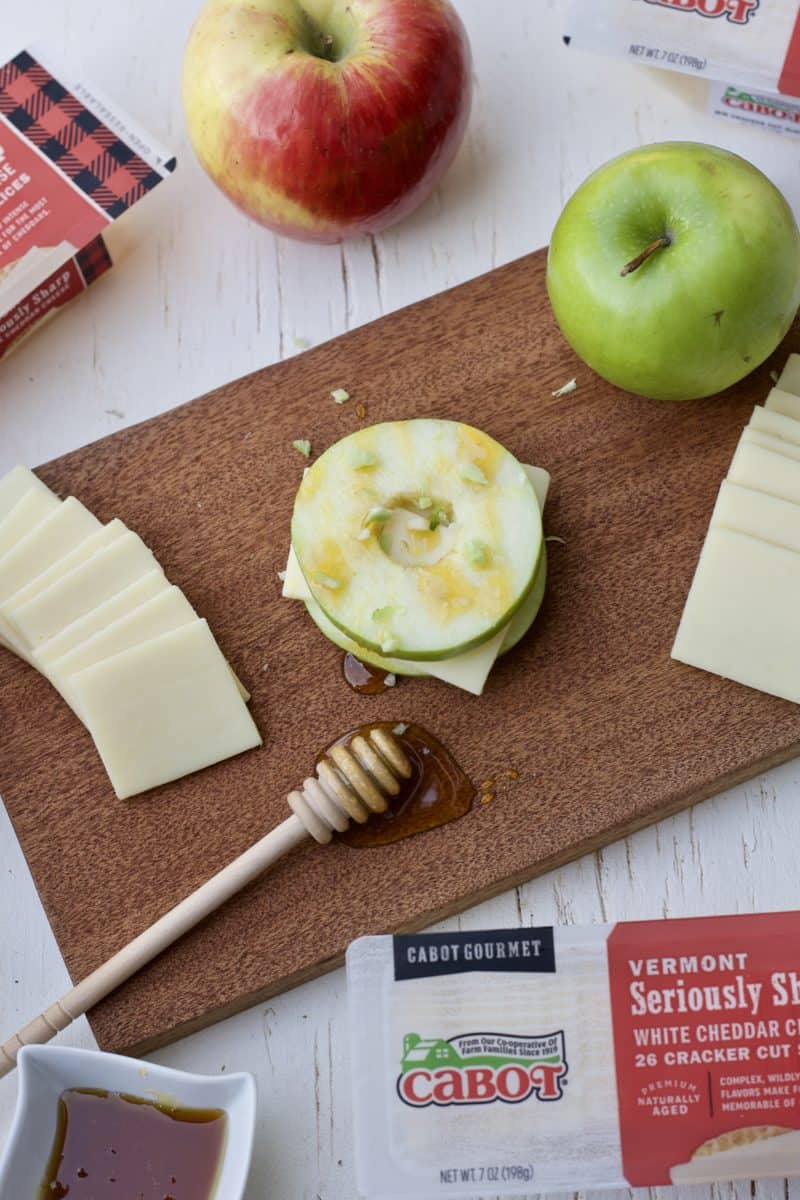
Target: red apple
{"x": 325, "y": 119}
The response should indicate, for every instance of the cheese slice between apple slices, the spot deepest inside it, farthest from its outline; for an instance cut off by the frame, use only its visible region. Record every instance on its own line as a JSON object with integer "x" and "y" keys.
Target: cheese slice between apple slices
{"x": 468, "y": 671}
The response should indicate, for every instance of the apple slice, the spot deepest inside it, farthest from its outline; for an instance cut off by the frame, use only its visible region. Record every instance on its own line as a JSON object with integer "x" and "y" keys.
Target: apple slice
{"x": 468, "y": 671}
{"x": 419, "y": 539}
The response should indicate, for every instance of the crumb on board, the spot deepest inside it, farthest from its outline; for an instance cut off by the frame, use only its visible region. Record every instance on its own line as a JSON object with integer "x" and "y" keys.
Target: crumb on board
{"x": 510, "y": 773}
{"x": 487, "y": 785}
{"x": 281, "y": 575}
{"x": 302, "y": 446}
{"x": 361, "y": 411}
{"x": 487, "y": 797}
{"x": 553, "y": 538}
{"x": 340, "y": 395}
{"x": 390, "y": 680}
{"x": 568, "y": 387}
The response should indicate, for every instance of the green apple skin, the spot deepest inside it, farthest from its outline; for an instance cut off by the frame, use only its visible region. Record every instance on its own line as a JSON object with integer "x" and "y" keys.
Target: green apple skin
{"x": 518, "y": 626}
{"x": 700, "y": 313}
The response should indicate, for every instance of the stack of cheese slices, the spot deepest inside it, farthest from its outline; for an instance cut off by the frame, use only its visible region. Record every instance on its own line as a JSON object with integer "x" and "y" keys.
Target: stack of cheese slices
{"x": 742, "y": 616}
{"x": 89, "y": 606}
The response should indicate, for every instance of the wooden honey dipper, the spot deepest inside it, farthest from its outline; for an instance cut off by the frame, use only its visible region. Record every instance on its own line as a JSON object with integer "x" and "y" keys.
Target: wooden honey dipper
{"x": 353, "y": 780}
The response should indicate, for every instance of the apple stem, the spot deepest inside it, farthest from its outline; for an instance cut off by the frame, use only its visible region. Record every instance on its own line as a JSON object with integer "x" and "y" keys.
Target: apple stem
{"x": 635, "y": 263}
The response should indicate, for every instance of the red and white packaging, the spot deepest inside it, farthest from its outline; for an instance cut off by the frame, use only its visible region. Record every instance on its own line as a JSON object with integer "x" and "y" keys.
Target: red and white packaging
{"x": 71, "y": 165}
{"x": 507, "y": 1062}
{"x": 752, "y": 46}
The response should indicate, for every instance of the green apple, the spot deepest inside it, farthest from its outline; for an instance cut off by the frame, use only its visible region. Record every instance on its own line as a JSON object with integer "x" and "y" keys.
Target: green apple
{"x": 418, "y": 539}
{"x": 517, "y": 627}
{"x": 674, "y": 270}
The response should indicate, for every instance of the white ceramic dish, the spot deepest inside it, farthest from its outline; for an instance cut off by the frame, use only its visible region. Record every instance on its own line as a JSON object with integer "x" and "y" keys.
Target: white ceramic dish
{"x": 46, "y": 1071}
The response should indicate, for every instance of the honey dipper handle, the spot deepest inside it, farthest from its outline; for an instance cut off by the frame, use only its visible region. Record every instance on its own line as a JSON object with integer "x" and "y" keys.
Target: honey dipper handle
{"x": 166, "y": 930}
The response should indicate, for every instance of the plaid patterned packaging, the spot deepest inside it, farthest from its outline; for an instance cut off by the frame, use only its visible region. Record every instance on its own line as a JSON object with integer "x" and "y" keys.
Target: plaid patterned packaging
{"x": 70, "y": 165}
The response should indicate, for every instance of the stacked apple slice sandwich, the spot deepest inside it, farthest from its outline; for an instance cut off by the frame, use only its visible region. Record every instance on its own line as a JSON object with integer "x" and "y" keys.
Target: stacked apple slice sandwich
{"x": 418, "y": 547}
{"x": 742, "y": 616}
{"x": 89, "y": 606}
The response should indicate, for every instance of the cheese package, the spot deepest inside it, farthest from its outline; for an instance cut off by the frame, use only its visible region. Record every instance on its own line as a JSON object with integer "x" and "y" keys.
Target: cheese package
{"x": 750, "y": 48}
{"x": 71, "y": 164}
{"x": 509, "y": 1062}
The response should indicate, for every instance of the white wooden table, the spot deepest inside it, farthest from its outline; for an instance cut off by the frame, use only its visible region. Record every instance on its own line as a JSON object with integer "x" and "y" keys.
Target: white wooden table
{"x": 207, "y": 296}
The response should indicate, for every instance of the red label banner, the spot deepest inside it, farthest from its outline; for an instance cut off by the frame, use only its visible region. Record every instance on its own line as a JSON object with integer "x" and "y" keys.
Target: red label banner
{"x": 706, "y": 1017}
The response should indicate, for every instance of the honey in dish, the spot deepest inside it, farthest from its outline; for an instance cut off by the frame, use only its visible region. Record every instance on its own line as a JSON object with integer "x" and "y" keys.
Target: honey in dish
{"x": 437, "y": 792}
{"x": 116, "y": 1147}
{"x": 364, "y": 679}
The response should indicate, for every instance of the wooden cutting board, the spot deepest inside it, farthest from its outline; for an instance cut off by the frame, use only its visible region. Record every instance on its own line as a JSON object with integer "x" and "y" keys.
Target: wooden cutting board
{"x": 605, "y": 731}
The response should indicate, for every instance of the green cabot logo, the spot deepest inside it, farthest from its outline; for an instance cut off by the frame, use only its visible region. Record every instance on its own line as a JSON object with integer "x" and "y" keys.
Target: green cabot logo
{"x": 480, "y": 1068}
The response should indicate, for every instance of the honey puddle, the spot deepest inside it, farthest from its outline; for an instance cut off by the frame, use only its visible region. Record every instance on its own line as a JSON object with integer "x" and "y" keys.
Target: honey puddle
{"x": 364, "y": 679}
{"x": 437, "y": 793}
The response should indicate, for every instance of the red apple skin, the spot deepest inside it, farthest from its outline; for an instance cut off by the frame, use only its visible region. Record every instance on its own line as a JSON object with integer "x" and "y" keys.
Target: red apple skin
{"x": 319, "y": 150}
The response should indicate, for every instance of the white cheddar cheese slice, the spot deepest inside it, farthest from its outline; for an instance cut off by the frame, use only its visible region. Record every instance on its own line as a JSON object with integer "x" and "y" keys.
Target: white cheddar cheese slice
{"x": 740, "y": 619}
{"x": 756, "y": 438}
{"x": 99, "y": 618}
{"x": 790, "y": 375}
{"x": 540, "y": 481}
{"x": 772, "y": 1157}
{"x": 167, "y": 610}
{"x": 775, "y": 424}
{"x": 757, "y": 514}
{"x": 754, "y": 466}
{"x": 13, "y": 486}
{"x": 59, "y": 533}
{"x": 27, "y": 513}
{"x": 81, "y": 589}
{"x": 294, "y": 584}
{"x": 164, "y": 709}
{"x": 787, "y": 404}
{"x": 81, "y": 553}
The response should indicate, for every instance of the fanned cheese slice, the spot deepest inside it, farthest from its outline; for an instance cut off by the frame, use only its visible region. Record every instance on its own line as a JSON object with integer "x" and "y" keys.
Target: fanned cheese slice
{"x": 785, "y": 403}
{"x": 13, "y": 486}
{"x": 31, "y": 508}
{"x": 81, "y": 590}
{"x": 776, "y": 424}
{"x": 756, "y": 467}
{"x": 164, "y": 709}
{"x": 757, "y": 514}
{"x": 756, "y": 437}
{"x": 790, "y": 375}
{"x": 740, "y": 619}
{"x": 81, "y": 553}
{"x": 167, "y": 610}
{"x": 99, "y": 618}
{"x": 59, "y": 533}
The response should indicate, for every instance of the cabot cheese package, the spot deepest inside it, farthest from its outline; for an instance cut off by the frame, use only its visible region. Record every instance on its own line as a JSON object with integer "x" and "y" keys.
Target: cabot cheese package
{"x": 71, "y": 165}
{"x": 751, "y": 46}
{"x": 507, "y": 1062}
